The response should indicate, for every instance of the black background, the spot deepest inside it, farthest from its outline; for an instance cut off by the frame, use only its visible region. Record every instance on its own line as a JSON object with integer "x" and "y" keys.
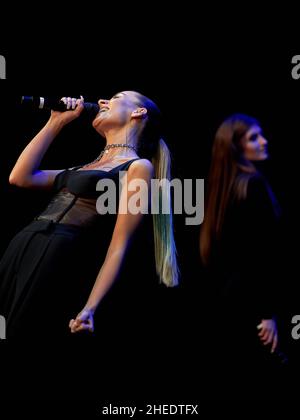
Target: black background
{"x": 197, "y": 75}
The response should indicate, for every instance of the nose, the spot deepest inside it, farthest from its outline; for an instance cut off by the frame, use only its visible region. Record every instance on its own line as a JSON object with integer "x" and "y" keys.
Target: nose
{"x": 103, "y": 102}
{"x": 263, "y": 141}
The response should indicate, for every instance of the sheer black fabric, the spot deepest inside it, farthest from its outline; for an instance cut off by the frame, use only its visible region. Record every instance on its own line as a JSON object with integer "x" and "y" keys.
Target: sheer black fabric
{"x": 49, "y": 268}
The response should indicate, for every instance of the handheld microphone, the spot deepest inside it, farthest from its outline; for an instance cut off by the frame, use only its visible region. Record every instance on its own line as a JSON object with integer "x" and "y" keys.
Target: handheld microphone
{"x": 37, "y": 102}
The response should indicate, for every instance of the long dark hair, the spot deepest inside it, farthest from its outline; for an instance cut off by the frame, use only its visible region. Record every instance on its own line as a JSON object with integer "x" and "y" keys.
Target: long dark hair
{"x": 228, "y": 178}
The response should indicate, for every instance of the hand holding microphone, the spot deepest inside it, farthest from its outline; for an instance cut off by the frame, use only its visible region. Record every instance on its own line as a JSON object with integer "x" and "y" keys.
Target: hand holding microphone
{"x": 38, "y": 102}
{"x": 65, "y": 104}
{"x": 73, "y": 108}
{"x": 64, "y": 110}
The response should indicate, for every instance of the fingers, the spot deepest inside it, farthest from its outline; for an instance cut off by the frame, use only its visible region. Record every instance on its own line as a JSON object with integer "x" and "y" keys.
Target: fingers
{"x": 68, "y": 102}
{"x": 82, "y": 327}
{"x": 75, "y": 325}
{"x": 269, "y": 338}
{"x": 264, "y": 334}
{"x": 81, "y": 100}
{"x": 275, "y": 343}
{"x": 268, "y": 334}
{"x": 84, "y": 321}
{"x": 73, "y": 103}
{"x": 79, "y": 105}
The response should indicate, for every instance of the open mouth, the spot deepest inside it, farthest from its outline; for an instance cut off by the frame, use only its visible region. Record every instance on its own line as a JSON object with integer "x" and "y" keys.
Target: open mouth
{"x": 103, "y": 110}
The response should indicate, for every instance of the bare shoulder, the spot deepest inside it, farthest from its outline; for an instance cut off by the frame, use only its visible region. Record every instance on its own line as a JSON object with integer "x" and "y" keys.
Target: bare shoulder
{"x": 141, "y": 168}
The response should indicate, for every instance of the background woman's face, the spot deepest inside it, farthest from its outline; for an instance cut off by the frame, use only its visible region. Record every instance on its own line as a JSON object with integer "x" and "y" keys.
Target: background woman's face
{"x": 255, "y": 145}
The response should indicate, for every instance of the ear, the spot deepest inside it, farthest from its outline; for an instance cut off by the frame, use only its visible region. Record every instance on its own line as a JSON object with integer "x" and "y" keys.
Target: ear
{"x": 139, "y": 113}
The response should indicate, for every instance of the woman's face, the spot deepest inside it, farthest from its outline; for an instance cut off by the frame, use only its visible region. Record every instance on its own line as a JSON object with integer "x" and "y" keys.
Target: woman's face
{"x": 255, "y": 145}
{"x": 115, "y": 112}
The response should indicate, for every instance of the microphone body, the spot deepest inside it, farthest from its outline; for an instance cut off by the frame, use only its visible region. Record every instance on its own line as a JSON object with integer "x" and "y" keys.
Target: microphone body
{"x": 37, "y": 102}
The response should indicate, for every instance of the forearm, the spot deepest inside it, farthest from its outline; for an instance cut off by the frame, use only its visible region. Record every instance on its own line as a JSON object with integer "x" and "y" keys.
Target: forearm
{"x": 106, "y": 277}
{"x": 30, "y": 159}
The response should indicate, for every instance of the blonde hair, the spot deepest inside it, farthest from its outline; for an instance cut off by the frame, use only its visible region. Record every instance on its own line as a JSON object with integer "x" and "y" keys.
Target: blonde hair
{"x": 152, "y": 147}
{"x": 164, "y": 243}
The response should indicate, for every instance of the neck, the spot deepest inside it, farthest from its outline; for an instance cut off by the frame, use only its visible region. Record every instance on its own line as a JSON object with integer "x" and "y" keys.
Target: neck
{"x": 246, "y": 165}
{"x": 120, "y": 137}
{"x": 120, "y": 153}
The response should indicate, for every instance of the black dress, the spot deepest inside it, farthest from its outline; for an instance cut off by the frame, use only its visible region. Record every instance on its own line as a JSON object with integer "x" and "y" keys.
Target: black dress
{"x": 49, "y": 268}
{"x": 246, "y": 257}
{"x": 242, "y": 281}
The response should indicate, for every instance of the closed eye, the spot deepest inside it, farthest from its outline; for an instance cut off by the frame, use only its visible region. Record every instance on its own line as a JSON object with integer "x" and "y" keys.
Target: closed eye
{"x": 253, "y": 137}
{"x": 117, "y": 95}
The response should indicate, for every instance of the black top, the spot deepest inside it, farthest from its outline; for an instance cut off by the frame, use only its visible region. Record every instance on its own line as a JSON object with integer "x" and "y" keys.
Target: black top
{"x": 79, "y": 202}
{"x": 54, "y": 265}
{"x": 77, "y": 192}
{"x": 247, "y": 255}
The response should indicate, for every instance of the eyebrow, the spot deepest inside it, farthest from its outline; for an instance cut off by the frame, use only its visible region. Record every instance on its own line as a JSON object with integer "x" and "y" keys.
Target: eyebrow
{"x": 258, "y": 130}
{"x": 119, "y": 93}
{"x": 255, "y": 133}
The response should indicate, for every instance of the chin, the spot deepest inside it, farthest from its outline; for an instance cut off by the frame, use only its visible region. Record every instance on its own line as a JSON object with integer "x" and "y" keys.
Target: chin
{"x": 260, "y": 158}
{"x": 95, "y": 123}
{"x": 265, "y": 156}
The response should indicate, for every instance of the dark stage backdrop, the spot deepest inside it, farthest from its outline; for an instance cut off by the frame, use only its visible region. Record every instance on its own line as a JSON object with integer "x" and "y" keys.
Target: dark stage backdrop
{"x": 196, "y": 88}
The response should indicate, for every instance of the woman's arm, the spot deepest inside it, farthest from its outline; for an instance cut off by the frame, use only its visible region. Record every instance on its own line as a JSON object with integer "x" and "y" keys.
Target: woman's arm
{"x": 126, "y": 225}
{"x": 264, "y": 228}
{"x": 25, "y": 172}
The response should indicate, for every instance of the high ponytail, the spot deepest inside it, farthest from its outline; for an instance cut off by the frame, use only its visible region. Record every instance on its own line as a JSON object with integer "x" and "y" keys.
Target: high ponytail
{"x": 164, "y": 243}
{"x": 152, "y": 147}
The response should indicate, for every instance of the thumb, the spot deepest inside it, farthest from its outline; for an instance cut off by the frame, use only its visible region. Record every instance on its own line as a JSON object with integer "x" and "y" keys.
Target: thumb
{"x": 79, "y": 106}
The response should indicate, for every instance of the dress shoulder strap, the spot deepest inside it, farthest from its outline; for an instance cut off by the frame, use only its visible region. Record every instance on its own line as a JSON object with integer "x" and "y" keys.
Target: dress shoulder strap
{"x": 126, "y": 165}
